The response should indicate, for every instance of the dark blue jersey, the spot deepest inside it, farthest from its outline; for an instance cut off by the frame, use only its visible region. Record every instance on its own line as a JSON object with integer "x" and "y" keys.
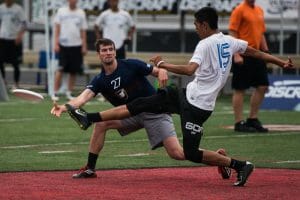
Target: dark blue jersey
{"x": 126, "y": 83}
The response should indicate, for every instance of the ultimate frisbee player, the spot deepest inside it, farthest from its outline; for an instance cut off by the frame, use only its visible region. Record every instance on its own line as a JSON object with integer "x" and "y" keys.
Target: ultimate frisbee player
{"x": 210, "y": 63}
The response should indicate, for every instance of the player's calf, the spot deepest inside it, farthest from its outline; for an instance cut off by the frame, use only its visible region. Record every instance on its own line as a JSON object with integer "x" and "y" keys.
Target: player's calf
{"x": 224, "y": 171}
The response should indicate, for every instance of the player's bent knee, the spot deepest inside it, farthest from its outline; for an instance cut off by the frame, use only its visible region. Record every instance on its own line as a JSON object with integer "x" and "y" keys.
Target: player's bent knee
{"x": 194, "y": 155}
{"x": 177, "y": 155}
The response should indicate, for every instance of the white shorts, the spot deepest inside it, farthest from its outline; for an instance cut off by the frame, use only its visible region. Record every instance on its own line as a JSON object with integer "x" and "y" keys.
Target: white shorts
{"x": 158, "y": 127}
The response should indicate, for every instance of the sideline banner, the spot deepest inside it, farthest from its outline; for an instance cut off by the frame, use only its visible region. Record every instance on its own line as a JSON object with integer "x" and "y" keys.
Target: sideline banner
{"x": 283, "y": 94}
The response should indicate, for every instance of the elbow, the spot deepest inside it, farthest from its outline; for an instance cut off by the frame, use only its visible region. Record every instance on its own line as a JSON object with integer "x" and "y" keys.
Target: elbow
{"x": 189, "y": 72}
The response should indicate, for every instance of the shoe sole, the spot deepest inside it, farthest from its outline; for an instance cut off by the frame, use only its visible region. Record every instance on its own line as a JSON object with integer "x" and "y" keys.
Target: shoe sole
{"x": 75, "y": 176}
{"x": 69, "y": 109}
{"x": 240, "y": 184}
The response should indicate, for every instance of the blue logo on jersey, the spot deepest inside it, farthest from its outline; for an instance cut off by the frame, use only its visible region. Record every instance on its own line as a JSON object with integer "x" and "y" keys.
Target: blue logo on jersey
{"x": 224, "y": 55}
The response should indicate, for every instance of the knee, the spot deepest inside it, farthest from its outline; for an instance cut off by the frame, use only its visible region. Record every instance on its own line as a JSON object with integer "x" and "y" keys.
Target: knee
{"x": 100, "y": 127}
{"x": 194, "y": 155}
{"x": 176, "y": 154}
{"x": 262, "y": 89}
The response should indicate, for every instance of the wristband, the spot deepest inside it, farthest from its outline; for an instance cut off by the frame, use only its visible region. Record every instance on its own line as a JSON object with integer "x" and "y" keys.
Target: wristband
{"x": 159, "y": 63}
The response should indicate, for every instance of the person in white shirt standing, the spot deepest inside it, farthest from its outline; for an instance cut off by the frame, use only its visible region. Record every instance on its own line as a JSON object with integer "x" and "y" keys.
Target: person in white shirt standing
{"x": 115, "y": 24}
{"x": 70, "y": 42}
{"x": 210, "y": 63}
{"x": 12, "y": 29}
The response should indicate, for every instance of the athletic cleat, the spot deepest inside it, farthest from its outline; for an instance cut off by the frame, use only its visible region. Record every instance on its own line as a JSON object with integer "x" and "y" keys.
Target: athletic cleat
{"x": 255, "y": 123}
{"x": 244, "y": 174}
{"x": 224, "y": 171}
{"x": 54, "y": 97}
{"x": 242, "y": 126}
{"x": 85, "y": 172}
{"x": 79, "y": 115}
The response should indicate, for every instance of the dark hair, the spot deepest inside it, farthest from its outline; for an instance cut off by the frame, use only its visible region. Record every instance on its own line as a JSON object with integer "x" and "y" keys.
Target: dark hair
{"x": 105, "y": 42}
{"x": 209, "y": 15}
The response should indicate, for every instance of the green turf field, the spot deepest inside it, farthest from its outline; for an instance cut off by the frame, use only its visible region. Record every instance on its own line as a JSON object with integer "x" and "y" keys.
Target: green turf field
{"x": 32, "y": 139}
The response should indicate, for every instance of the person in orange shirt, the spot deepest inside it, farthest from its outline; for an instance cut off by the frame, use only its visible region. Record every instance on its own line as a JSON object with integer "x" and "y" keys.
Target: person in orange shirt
{"x": 247, "y": 23}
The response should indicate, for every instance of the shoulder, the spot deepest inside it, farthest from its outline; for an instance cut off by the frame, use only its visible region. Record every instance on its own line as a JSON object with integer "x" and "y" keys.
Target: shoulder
{"x": 104, "y": 13}
{"x": 132, "y": 61}
{"x": 62, "y": 10}
{"x": 124, "y": 12}
{"x": 80, "y": 11}
{"x": 259, "y": 9}
{"x": 239, "y": 8}
{"x": 17, "y": 6}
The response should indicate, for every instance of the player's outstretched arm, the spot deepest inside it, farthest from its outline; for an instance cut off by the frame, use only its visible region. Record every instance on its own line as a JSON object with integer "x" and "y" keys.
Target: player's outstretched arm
{"x": 78, "y": 101}
{"x": 268, "y": 58}
{"x": 187, "y": 69}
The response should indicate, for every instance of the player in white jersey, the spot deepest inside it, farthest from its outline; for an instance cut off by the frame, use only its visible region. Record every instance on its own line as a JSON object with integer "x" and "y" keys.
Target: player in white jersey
{"x": 70, "y": 42}
{"x": 115, "y": 24}
{"x": 12, "y": 29}
{"x": 210, "y": 64}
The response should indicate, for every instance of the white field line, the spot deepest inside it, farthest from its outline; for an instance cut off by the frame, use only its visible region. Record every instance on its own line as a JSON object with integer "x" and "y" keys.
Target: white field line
{"x": 133, "y": 155}
{"x": 17, "y": 120}
{"x": 146, "y": 140}
{"x": 54, "y": 152}
{"x": 288, "y": 161}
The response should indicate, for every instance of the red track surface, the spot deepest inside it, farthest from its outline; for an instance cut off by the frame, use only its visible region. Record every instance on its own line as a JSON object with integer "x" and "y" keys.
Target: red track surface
{"x": 162, "y": 183}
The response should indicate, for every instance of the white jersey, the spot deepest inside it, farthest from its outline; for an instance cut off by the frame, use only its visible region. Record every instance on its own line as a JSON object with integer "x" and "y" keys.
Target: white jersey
{"x": 115, "y": 25}
{"x": 214, "y": 57}
{"x": 12, "y": 20}
{"x": 71, "y": 23}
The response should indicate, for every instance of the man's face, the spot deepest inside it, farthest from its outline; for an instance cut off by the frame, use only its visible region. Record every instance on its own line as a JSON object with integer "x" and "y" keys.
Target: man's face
{"x": 113, "y": 3}
{"x": 9, "y": 2}
{"x": 250, "y": 2}
{"x": 107, "y": 54}
{"x": 199, "y": 26}
{"x": 72, "y": 3}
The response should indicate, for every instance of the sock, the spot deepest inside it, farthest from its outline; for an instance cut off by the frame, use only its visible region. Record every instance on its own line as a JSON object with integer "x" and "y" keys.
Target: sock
{"x": 236, "y": 164}
{"x": 94, "y": 117}
{"x": 92, "y": 159}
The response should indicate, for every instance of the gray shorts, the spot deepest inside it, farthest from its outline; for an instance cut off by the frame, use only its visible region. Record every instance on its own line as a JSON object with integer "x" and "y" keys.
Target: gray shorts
{"x": 158, "y": 127}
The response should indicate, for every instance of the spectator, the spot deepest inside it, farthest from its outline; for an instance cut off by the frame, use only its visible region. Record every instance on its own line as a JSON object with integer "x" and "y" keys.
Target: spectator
{"x": 247, "y": 23}
{"x": 115, "y": 24}
{"x": 12, "y": 29}
{"x": 70, "y": 42}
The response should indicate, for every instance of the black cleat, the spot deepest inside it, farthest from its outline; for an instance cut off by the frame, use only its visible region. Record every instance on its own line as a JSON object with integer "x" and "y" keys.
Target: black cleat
{"x": 243, "y": 174}
{"x": 85, "y": 172}
{"x": 79, "y": 115}
{"x": 255, "y": 123}
{"x": 242, "y": 126}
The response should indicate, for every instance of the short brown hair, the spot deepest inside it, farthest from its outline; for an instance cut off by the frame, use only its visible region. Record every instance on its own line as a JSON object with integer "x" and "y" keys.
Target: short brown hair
{"x": 105, "y": 42}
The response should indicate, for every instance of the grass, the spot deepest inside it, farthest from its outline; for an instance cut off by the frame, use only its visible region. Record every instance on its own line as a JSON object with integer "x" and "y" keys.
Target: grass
{"x": 24, "y": 123}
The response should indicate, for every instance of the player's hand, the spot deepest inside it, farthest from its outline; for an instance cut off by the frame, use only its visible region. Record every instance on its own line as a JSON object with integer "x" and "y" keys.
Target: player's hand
{"x": 238, "y": 59}
{"x": 162, "y": 78}
{"x": 127, "y": 41}
{"x": 83, "y": 50}
{"x": 57, "y": 110}
{"x": 18, "y": 40}
{"x": 56, "y": 48}
{"x": 289, "y": 63}
{"x": 156, "y": 59}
